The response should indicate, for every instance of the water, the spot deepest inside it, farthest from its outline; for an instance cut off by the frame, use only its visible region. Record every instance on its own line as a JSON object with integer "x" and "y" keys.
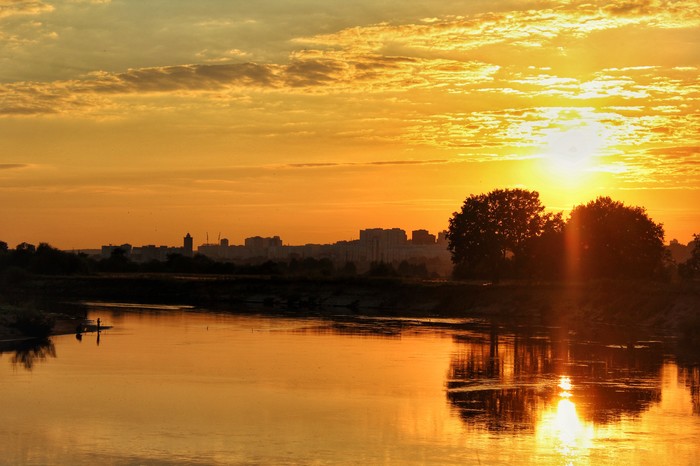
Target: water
{"x": 176, "y": 386}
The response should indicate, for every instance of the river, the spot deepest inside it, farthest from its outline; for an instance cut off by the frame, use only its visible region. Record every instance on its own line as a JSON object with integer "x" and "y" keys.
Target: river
{"x": 170, "y": 385}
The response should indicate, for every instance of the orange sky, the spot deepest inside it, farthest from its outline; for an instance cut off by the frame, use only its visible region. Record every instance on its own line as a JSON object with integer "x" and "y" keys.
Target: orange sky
{"x": 130, "y": 121}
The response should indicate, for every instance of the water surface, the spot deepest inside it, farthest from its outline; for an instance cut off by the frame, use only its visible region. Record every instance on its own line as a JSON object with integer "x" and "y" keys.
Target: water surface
{"x": 179, "y": 386}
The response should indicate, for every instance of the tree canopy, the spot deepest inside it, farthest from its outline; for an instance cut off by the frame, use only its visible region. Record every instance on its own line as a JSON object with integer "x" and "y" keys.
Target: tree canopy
{"x": 606, "y": 238}
{"x": 507, "y": 233}
{"x": 493, "y": 230}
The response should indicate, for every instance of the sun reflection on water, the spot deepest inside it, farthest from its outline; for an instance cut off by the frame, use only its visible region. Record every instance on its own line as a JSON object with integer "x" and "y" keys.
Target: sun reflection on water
{"x": 560, "y": 430}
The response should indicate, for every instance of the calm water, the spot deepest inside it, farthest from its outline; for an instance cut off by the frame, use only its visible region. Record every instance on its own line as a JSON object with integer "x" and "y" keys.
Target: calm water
{"x": 174, "y": 386}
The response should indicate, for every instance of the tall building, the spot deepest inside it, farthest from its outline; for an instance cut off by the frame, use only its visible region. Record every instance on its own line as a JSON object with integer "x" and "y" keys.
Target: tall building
{"x": 422, "y": 237}
{"x": 187, "y": 245}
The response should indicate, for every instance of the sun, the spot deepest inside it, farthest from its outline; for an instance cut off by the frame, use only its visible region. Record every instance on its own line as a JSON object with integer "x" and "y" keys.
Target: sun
{"x": 570, "y": 157}
{"x": 572, "y": 151}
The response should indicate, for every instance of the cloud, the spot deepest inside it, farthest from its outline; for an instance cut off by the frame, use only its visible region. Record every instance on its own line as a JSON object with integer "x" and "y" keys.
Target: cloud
{"x": 365, "y": 164}
{"x": 528, "y": 28}
{"x": 23, "y": 7}
{"x": 12, "y": 166}
{"x": 679, "y": 152}
{"x": 306, "y": 73}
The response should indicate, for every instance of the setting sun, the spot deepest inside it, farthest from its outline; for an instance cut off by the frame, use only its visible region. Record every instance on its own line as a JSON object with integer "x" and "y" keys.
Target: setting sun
{"x": 573, "y": 151}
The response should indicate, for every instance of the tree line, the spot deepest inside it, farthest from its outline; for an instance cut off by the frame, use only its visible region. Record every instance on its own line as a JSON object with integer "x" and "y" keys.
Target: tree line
{"x": 17, "y": 264}
{"x": 506, "y": 233}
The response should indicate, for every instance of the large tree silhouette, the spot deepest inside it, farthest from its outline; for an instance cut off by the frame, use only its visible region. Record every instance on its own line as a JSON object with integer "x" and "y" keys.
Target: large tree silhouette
{"x": 608, "y": 239}
{"x": 492, "y": 231}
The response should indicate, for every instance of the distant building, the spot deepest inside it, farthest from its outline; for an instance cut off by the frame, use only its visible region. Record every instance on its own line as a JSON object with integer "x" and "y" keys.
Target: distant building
{"x": 419, "y": 237}
{"x": 381, "y": 245}
{"x": 107, "y": 251}
{"x": 374, "y": 245}
{"x": 187, "y": 246}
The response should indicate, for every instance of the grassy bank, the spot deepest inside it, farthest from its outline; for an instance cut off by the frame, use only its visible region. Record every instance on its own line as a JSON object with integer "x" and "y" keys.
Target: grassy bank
{"x": 671, "y": 306}
{"x": 24, "y": 321}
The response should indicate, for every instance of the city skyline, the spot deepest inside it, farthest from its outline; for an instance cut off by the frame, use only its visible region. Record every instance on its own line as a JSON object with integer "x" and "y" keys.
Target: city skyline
{"x": 125, "y": 119}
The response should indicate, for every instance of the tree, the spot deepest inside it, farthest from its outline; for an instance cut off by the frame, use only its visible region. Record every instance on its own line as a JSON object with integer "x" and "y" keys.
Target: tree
{"x": 608, "y": 239}
{"x": 691, "y": 267}
{"x": 544, "y": 255}
{"x": 492, "y": 231}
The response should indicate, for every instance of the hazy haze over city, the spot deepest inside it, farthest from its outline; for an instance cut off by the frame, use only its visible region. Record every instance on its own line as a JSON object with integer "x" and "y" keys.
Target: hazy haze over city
{"x": 126, "y": 121}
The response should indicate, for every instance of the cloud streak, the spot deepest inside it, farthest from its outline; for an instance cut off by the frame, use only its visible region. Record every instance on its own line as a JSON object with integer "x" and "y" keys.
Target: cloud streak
{"x": 23, "y": 7}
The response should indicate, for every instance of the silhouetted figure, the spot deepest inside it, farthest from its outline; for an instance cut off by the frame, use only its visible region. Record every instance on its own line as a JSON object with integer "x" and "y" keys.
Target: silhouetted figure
{"x": 98, "y": 338}
{"x": 98, "y": 325}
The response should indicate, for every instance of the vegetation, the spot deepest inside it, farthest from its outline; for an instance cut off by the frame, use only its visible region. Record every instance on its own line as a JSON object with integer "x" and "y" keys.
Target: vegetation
{"x": 608, "y": 239}
{"x": 494, "y": 232}
{"x": 691, "y": 267}
{"x": 506, "y": 233}
{"x": 18, "y": 264}
{"x": 26, "y": 320}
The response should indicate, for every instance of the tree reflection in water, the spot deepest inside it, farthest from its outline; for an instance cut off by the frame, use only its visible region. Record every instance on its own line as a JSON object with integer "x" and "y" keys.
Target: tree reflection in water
{"x": 512, "y": 382}
{"x": 690, "y": 376}
{"x": 27, "y": 353}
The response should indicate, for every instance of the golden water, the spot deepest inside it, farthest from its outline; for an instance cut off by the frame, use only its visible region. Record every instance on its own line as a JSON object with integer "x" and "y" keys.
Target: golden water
{"x": 183, "y": 387}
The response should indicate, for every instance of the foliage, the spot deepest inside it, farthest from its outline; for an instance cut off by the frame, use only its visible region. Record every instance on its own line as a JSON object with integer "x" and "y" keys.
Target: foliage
{"x": 493, "y": 232}
{"x": 43, "y": 260}
{"x": 691, "y": 267}
{"x": 31, "y": 322}
{"x": 608, "y": 239}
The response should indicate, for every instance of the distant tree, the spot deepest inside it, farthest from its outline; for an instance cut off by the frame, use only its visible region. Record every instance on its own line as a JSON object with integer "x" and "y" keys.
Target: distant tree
{"x": 51, "y": 261}
{"x": 22, "y": 255}
{"x": 492, "y": 231}
{"x": 349, "y": 269}
{"x": 118, "y": 261}
{"x": 408, "y": 269}
{"x": 691, "y": 267}
{"x": 606, "y": 238}
{"x": 381, "y": 269}
{"x": 3, "y": 247}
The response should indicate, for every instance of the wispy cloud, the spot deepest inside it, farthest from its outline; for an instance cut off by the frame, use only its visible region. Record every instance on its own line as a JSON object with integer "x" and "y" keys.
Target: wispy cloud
{"x": 307, "y": 73}
{"x": 23, "y": 7}
{"x": 528, "y": 28}
{"x": 365, "y": 164}
{"x": 12, "y": 166}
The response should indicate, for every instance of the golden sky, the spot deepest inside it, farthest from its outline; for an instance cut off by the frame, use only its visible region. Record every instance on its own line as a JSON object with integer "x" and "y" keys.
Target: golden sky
{"x": 139, "y": 121}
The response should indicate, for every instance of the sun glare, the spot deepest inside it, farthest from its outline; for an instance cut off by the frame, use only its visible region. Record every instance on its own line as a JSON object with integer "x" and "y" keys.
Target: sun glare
{"x": 561, "y": 430}
{"x": 572, "y": 152}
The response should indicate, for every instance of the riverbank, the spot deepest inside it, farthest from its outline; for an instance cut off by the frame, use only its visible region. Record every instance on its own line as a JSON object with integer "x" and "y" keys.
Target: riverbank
{"x": 672, "y": 307}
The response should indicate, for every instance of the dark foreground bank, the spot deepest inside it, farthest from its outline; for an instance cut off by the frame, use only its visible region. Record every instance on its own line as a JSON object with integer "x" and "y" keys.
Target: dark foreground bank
{"x": 673, "y": 307}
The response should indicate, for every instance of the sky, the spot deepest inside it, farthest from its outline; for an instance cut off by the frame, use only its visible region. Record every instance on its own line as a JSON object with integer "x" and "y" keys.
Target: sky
{"x": 140, "y": 121}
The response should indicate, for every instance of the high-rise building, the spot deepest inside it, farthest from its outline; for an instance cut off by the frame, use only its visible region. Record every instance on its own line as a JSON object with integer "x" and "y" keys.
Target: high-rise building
{"x": 422, "y": 237}
{"x": 187, "y": 245}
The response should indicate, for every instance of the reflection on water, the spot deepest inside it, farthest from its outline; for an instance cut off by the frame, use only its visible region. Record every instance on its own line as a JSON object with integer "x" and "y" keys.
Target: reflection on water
{"x": 27, "y": 353}
{"x": 560, "y": 428}
{"x": 173, "y": 386}
{"x": 503, "y": 382}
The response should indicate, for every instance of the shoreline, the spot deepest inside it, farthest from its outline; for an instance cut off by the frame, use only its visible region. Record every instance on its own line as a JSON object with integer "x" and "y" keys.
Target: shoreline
{"x": 626, "y": 309}
{"x": 670, "y": 306}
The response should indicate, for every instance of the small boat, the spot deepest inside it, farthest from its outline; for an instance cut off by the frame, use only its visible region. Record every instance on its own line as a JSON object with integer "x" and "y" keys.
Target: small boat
{"x": 90, "y": 325}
